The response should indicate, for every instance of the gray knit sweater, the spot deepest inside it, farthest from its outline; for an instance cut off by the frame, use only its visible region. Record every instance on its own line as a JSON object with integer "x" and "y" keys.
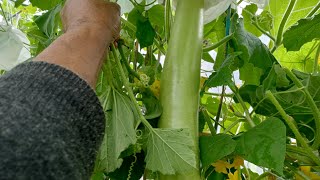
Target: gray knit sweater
{"x": 51, "y": 124}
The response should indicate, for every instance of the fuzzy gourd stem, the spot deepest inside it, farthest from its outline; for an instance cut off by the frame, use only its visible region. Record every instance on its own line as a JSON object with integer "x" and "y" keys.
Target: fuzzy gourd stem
{"x": 180, "y": 79}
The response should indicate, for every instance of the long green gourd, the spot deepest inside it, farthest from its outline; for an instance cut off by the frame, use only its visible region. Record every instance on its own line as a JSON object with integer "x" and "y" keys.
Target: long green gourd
{"x": 181, "y": 75}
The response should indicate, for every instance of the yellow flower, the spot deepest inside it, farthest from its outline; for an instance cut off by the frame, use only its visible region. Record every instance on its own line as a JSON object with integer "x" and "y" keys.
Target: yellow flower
{"x": 237, "y": 162}
{"x": 221, "y": 166}
{"x": 307, "y": 171}
{"x": 202, "y": 81}
{"x": 234, "y": 176}
{"x": 155, "y": 88}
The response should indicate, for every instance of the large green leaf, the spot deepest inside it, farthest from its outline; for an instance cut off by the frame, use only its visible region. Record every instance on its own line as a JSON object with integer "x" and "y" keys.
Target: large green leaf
{"x": 169, "y": 151}
{"x": 45, "y": 4}
{"x": 213, "y": 148}
{"x": 145, "y": 32}
{"x": 156, "y": 15}
{"x": 224, "y": 75}
{"x": 305, "y": 31}
{"x": 253, "y": 77}
{"x": 278, "y": 8}
{"x": 18, "y": 3}
{"x": 302, "y": 60}
{"x": 265, "y": 144}
{"x": 253, "y": 50}
{"x": 47, "y": 22}
{"x": 119, "y": 131}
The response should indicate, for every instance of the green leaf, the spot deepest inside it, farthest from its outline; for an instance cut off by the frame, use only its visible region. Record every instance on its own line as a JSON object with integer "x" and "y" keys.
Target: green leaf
{"x": 207, "y": 57}
{"x": 156, "y": 15}
{"x": 119, "y": 131}
{"x": 305, "y": 31}
{"x": 224, "y": 75}
{"x": 153, "y": 106}
{"x": 265, "y": 144}
{"x": 265, "y": 20}
{"x": 279, "y": 7}
{"x": 301, "y": 60}
{"x": 45, "y": 4}
{"x": 169, "y": 151}
{"x": 47, "y": 22}
{"x": 135, "y": 15}
{"x": 213, "y": 148}
{"x": 18, "y": 3}
{"x": 145, "y": 33}
{"x": 250, "y": 74}
{"x": 253, "y": 50}
{"x": 282, "y": 80}
{"x": 249, "y": 13}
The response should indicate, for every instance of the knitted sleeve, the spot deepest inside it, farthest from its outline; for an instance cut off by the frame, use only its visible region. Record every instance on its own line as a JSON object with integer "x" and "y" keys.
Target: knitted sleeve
{"x": 51, "y": 124}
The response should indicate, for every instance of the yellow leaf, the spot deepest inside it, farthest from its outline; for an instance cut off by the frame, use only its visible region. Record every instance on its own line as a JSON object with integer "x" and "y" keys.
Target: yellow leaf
{"x": 221, "y": 166}
{"x": 234, "y": 176}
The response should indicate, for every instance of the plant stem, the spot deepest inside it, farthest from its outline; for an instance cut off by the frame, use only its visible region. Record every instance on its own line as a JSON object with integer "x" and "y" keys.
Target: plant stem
{"x": 283, "y": 24}
{"x": 232, "y": 125}
{"x": 263, "y": 31}
{"x": 290, "y": 122}
{"x": 297, "y": 172}
{"x": 4, "y": 15}
{"x": 2, "y": 29}
{"x": 220, "y": 107}
{"x": 300, "y": 152}
{"x": 312, "y": 104}
{"x": 109, "y": 72}
{"x": 126, "y": 63}
{"x": 263, "y": 175}
{"x": 239, "y": 2}
{"x": 218, "y": 44}
{"x": 134, "y": 28}
{"x": 316, "y": 61}
{"x": 314, "y": 10}
{"x": 209, "y": 122}
{"x": 218, "y": 94}
{"x": 129, "y": 90}
{"x": 246, "y": 111}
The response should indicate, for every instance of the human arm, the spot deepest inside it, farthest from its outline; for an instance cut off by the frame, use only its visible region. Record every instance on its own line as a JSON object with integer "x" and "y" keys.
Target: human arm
{"x": 51, "y": 121}
{"x": 90, "y": 27}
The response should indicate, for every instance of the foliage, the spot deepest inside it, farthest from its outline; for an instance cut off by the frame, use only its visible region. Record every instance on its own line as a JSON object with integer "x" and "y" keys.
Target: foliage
{"x": 257, "y": 118}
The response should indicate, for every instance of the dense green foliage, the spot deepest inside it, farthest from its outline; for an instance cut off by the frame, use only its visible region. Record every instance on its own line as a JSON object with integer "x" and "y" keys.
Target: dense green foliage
{"x": 269, "y": 116}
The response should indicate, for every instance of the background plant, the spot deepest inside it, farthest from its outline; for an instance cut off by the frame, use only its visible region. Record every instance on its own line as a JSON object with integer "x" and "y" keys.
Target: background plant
{"x": 259, "y": 91}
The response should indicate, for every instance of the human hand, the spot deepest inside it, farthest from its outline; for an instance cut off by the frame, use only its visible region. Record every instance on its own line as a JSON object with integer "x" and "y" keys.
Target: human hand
{"x": 96, "y": 15}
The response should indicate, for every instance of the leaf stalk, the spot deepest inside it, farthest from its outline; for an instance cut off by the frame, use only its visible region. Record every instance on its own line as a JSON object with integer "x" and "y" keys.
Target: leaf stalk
{"x": 312, "y": 104}
{"x": 290, "y": 122}
{"x": 283, "y": 24}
